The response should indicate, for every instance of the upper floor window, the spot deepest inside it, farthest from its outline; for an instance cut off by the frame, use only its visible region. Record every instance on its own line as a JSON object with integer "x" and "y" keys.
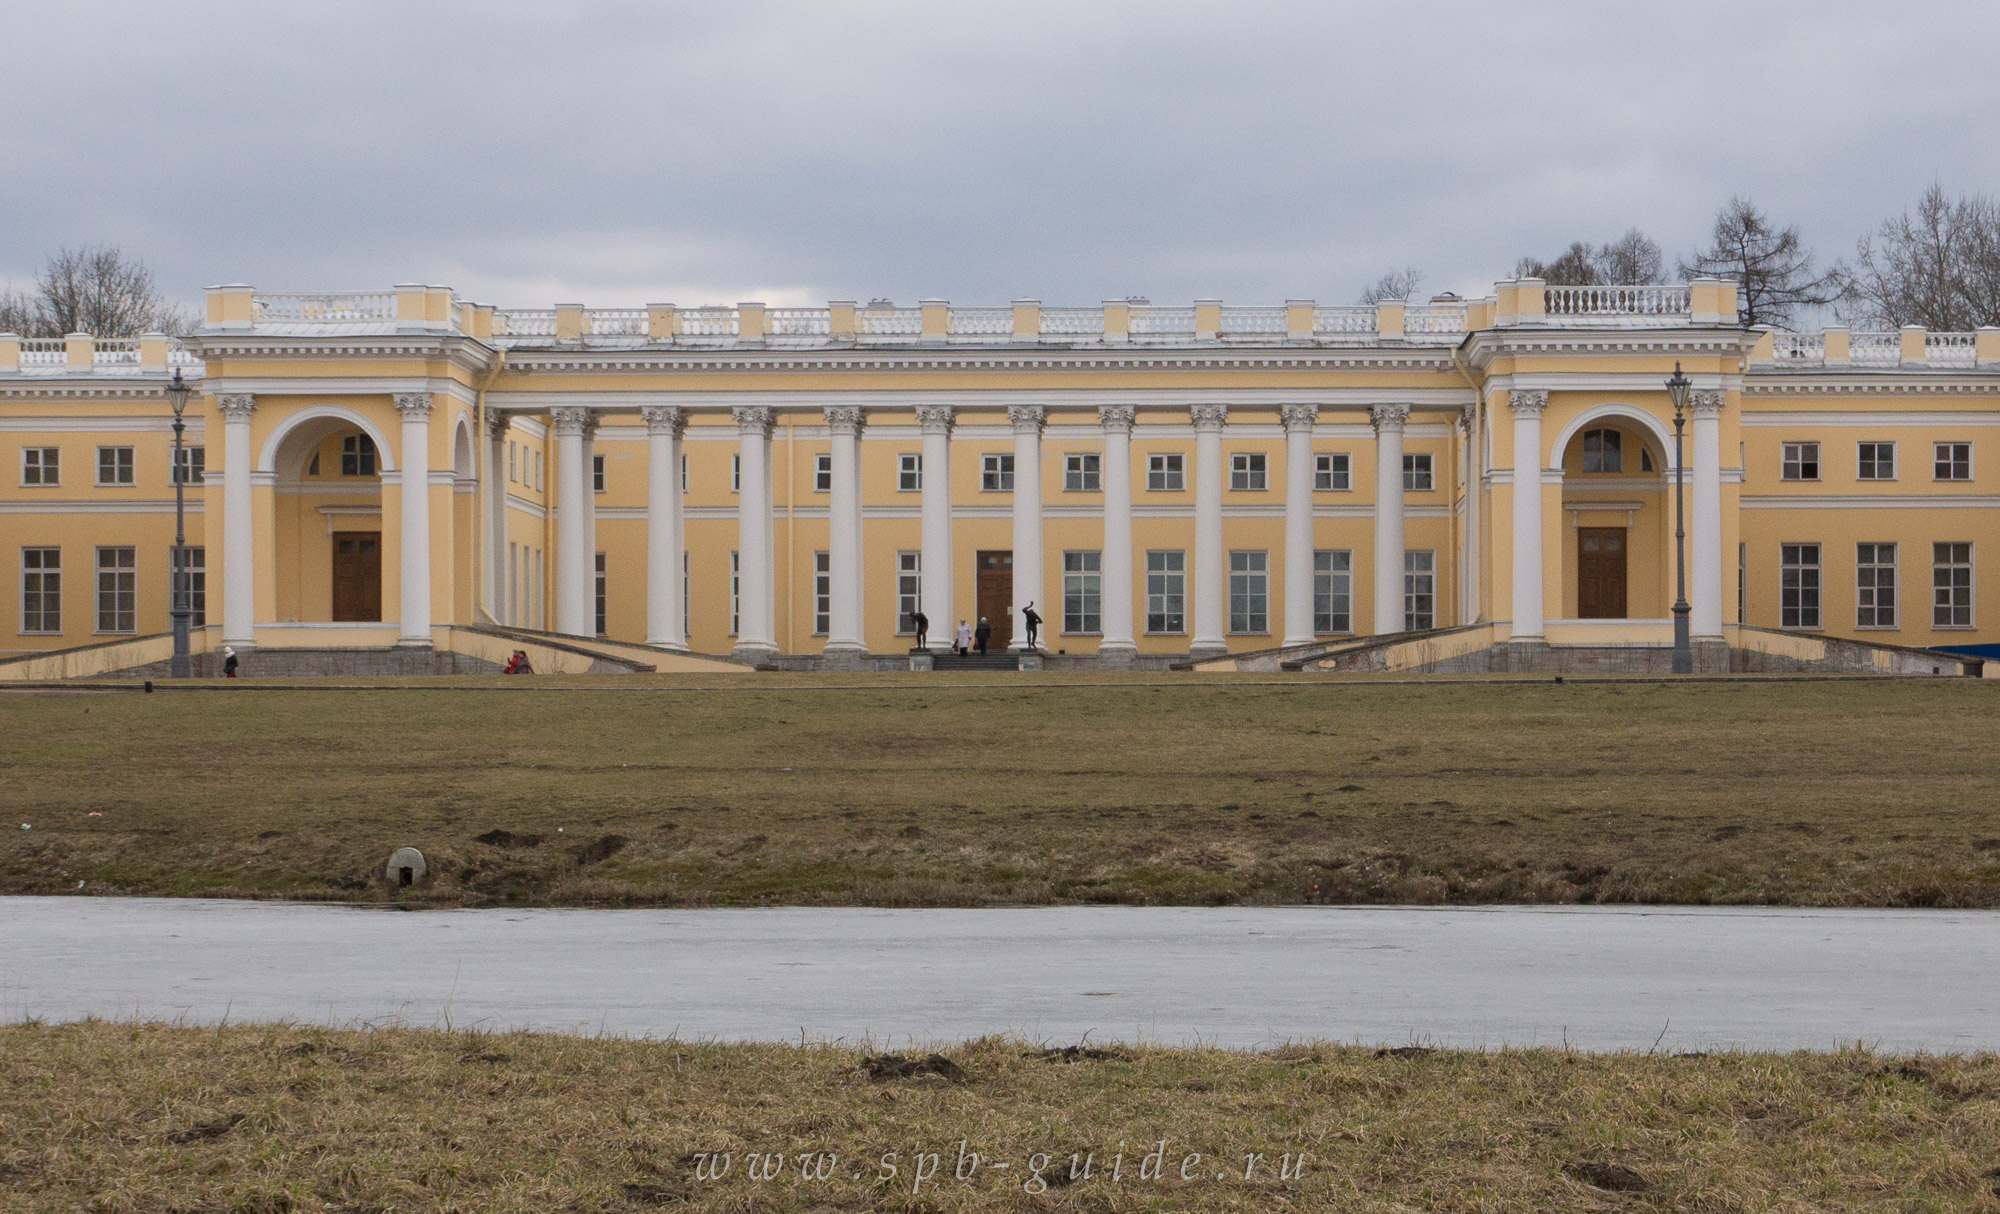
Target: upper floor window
{"x": 357, "y": 455}
{"x": 41, "y": 466}
{"x": 1417, "y": 471}
{"x": 823, "y": 473}
{"x": 190, "y": 465}
{"x": 1166, "y": 473}
{"x": 1801, "y": 462}
{"x": 597, "y": 478}
{"x": 1083, "y": 472}
{"x": 1330, "y": 474}
{"x": 1954, "y": 461}
{"x": 996, "y": 473}
{"x": 1876, "y": 462}
{"x": 1603, "y": 451}
{"x": 114, "y": 465}
{"x": 736, "y": 476}
{"x": 1246, "y": 471}
{"x": 909, "y": 472}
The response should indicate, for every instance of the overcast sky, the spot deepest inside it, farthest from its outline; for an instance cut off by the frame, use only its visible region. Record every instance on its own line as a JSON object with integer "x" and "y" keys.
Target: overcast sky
{"x": 617, "y": 154}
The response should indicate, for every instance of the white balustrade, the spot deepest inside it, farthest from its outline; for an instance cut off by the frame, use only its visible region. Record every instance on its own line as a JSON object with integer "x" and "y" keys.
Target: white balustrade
{"x": 179, "y": 355}
{"x": 1073, "y": 322}
{"x": 1349, "y": 318}
{"x": 888, "y": 322}
{"x": 981, "y": 322}
{"x": 1617, "y": 301}
{"x": 1805, "y": 348}
{"x": 1875, "y": 349}
{"x": 324, "y": 306}
{"x": 1434, "y": 319}
{"x": 616, "y": 322}
{"x": 116, "y": 352}
{"x": 709, "y": 322}
{"x": 1150, "y": 320}
{"x": 1264, "y": 322}
{"x": 798, "y": 322}
{"x": 1951, "y": 349}
{"x": 524, "y": 322}
{"x": 44, "y": 351}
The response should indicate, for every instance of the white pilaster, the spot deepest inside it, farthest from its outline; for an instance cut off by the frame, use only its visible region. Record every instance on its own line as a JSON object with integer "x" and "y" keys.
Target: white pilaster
{"x": 239, "y": 575}
{"x": 1117, "y": 641}
{"x": 1528, "y": 406}
{"x": 1705, "y": 607}
{"x": 756, "y": 619}
{"x": 1389, "y": 421}
{"x": 845, "y": 632}
{"x": 1298, "y": 421}
{"x": 936, "y": 532}
{"x": 664, "y": 626}
{"x": 575, "y": 546}
{"x": 415, "y": 408}
{"x": 1028, "y": 568}
{"x": 1468, "y": 578}
{"x": 1209, "y": 576}
{"x": 493, "y": 524}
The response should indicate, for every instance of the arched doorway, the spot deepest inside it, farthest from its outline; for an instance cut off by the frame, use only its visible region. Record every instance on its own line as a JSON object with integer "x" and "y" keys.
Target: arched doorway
{"x": 1617, "y": 513}
{"x": 327, "y": 469}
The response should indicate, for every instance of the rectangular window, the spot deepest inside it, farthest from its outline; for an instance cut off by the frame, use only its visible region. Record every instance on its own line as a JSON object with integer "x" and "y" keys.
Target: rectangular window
{"x": 1742, "y": 583}
{"x": 1417, "y": 472}
{"x": 1166, "y": 590}
{"x": 41, "y": 590}
{"x": 736, "y": 473}
{"x": 1874, "y": 585}
{"x": 1330, "y": 474}
{"x": 684, "y": 474}
{"x": 512, "y": 475}
{"x": 1083, "y": 472}
{"x": 114, "y": 465}
{"x": 735, "y": 592}
{"x": 1246, "y": 471}
{"x": 597, "y": 474}
{"x": 1603, "y": 451}
{"x": 117, "y": 590}
{"x": 1801, "y": 462}
{"x": 190, "y": 465}
{"x": 909, "y": 472}
{"x": 357, "y": 455}
{"x": 822, "y": 593}
{"x": 538, "y": 489}
{"x": 1876, "y": 462}
{"x": 909, "y": 591}
{"x": 1953, "y": 461}
{"x": 535, "y": 587}
{"x": 191, "y": 563}
{"x": 687, "y": 629}
{"x": 1798, "y": 585}
{"x": 1249, "y": 592}
{"x": 1333, "y": 591}
{"x": 1419, "y": 589}
{"x": 1166, "y": 473}
{"x": 1083, "y": 592}
{"x": 823, "y": 473}
{"x": 41, "y": 466}
{"x": 513, "y": 584}
{"x": 996, "y": 473}
{"x": 601, "y": 596}
{"x": 1951, "y": 585}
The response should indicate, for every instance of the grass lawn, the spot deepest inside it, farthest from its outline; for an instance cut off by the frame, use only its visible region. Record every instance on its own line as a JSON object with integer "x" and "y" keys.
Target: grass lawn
{"x": 125, "y": 1119}
{"x": 934, "y": 790}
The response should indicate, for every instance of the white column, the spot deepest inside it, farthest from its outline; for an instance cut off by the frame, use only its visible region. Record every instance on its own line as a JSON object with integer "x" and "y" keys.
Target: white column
{"x": 1389, "y": 421}
{"x": 935, "y": 581}
{"x": 664, "y": 626}
{"x": 845, "y": 632}
{"x": 415, "y": 408}
{"x": 1298, "y": 421}
{"x": 1468, "y": 582}
{"x": 239, "y": 575}
{"x": 1528, "y": 406}
{"x": 575, "y": 576}
{"x": 756, "y": 619}
{"x": 1705, "y": 607}
{"x": 1209, "y": 577}
{"x": 493, "y": 526}
{"x": 1117, "y": 643}
{"x": 1028, "y": 566}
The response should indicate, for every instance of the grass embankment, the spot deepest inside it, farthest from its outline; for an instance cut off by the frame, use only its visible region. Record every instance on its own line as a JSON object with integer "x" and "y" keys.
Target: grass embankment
{"x": 975, "y": 792}
{"x": 139, "y": 1120}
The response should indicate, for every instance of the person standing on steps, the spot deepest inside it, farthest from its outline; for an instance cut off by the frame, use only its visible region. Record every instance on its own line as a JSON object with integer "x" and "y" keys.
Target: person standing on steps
{"x": 922, "y": 623}
{"x": 228, "y": 662}
{"x": 963, "y": 639}
{"x": 1034, "y": 622}
{"x": 984, "y": 633}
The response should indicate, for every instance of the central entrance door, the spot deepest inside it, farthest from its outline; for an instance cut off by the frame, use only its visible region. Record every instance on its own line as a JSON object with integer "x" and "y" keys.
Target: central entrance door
{"x": 1600, "y": 573}
{"x": 357, "y": 575}
{"x": 996, "y": 596}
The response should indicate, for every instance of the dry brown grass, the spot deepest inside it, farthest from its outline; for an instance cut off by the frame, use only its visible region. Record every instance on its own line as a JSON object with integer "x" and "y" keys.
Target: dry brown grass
{"x": 925, "y": 790}
{"x": 123, "y": 1119}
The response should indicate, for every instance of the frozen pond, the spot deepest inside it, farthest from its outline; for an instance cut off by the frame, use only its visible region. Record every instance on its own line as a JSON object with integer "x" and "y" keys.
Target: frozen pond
{"x": 1601, "y": 978}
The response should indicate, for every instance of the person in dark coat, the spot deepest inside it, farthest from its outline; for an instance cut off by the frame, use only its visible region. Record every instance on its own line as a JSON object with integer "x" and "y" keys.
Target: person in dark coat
{"x": 1034, "y": 621}
{"x": 228, "y": 662}
{"x": 922, "y": 623}
{"x": 982, "y": 634}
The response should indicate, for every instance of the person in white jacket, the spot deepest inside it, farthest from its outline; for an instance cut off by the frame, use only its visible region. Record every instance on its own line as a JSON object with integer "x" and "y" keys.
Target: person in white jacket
{"x": 963, "y": 638}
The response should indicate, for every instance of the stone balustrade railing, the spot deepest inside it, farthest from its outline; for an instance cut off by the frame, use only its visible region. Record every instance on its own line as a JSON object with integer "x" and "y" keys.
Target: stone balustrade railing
{"x": 1912, "y": 346}
{"x": 81, "y": 354}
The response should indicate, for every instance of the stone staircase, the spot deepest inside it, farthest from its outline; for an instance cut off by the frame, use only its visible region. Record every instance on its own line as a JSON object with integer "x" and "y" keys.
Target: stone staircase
{"x": 999, "y": 659}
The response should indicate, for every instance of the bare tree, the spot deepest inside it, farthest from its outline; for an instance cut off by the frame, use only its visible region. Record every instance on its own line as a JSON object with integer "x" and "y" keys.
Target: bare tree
{"x": 18, "y": 315}
{"x": 1575, "y": 267}
{"x": 1395, "y": 285}
{"x": 1771, "y": 266}
{"x": 95, "y": 289}
{"x": 1938, "y": 267}
{"x": 1630, "y": 260}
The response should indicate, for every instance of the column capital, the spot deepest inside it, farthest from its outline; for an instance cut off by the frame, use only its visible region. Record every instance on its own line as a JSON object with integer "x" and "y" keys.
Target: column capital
{"x": 1388, "y": 417}
{"x": 1528, "y": 402}
{"x": 664, "y": 419}
{"x": 752, "y": 421}
{"x": 236, "y": 406}
{"x": 844, "y": 420}
{"x": 571, "y": 421}
{"x": 414, "y": 406}
{"x": 1466, "y": 413}
{"x": 1298, "y": 417}
{"x": 1027, "y": 419}
{"x": 1706, "y": 402}
{"x": 496, "y": 423}
{"x": 1117, "y": 418}
{"x": 1209, "y": 417}
{"x": 935, "y": 419}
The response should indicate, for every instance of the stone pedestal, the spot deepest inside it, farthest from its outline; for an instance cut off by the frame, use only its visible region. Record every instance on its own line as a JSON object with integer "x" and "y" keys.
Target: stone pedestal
{"x": 920, "y": 659}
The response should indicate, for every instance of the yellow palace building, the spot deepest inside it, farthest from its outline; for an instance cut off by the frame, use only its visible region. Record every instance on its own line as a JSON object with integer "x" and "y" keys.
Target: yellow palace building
{"x": 404, "y": 480}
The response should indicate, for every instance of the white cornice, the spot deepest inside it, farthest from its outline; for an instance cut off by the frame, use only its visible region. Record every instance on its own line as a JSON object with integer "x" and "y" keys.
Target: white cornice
{"x": 464, "y": 351}
{"x": 1147, "y": 400}
{"x": 701, "y": 362}
{"x": 1872, "y": 419}
{"x": 1867, "y": 501}
{"x": 1607, "y": 381}
{"x": 74, "y": 506}
{"x": 98, "y": 425}
{"x": 1885, "y": 383}
{"x": 341, "y": 386}
{"x": 1485, "y": 345}
{"x": 86, "y": 389}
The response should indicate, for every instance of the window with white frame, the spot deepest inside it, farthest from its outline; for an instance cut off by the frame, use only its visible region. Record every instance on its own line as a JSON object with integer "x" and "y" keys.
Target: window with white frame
{"x": 1419, "y": 589}
{"x": 822, "y": 593}
{"x": 1250, "y": 591}
{"x": 1798, "y": 585}
{"x": 597, "y": 474}
{"x": 684, "y": 473}
{"x": 1952, "y": 461}
{"x": 909, "y": 472}
{"x": 1083, "y": 592}
{"x": 602, "y": 596}
{"x": 1166, "y": 590}
{"x": 1166, "y": 472}
{"x": 735, "y": 592}
{"x": 117, "y": 590}
{"x": 1083, "y": 472}
{"x": 823, "y": 473}
{"x": 1417, "y": 471}
{"x": 191, "y": 563}
{"x": 41, "y": 590}
{"x": 736, "y": 473}
{"x": 687, "y": 629}
{"x": 1333, "y": 590}
{"x": 513, "y": 583}
{"x": 1330, "y": 472}
{"x": 909, "y": 591}
{"x": 1799, "y": 462}
{"x": 512, "y": 477}
{"x": 41, "y": 466}
{"x": 357, "y": 455}
{"x": 996, "y": 473}
{"x": 1951, "y": 585}
{"x": 1875, "y": 461}
{"x": 1875, "y": 585}
{"x": 190, "y": 465}
{"x": 1603, "y": 451}
{"x": 538, "y": 489}
{"x": 1247, "y": 472}
{"x": 114, "y": 465}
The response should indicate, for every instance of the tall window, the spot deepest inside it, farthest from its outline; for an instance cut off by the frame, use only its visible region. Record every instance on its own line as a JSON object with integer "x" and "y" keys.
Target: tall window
{"x": 41, "y": 590}
{"x": 117, "y": 590}
{"x": 535, "y": 603}
{"x": 1083, "y": 592}
{"x": 596, "y": 473}
{"x": 1742, "y": 583}
{"x": 1246, "y": 471}
{"x": 1875, "y": 585}
{"x": 1333, "y": 591}
{"x": 114, "y": 465}
{"x": 1166, "y": 473}
{"x": 1876, "y": 462}
{"x": 190, "y": 465}
{"x": 1249, "y": 592}
{"x": 687, "y": 629}
{"x": 1798, "y": 585}
{"x": 823, "y": 473}
{"x": 1419, "y": 589}
{"x": 357, "y": 455}
{"x": 736, "y": 473}
{"x": 822, "y": 593}
{"x": 512, "y": 472}
{"x": 909, "y": 472}
{"x": 41, "y": 466}
{"x": 1951, "y": 585}
{"x": 1417, "y": 471}
{"x": 1603, "y": 451}
{"x": 1083, "y": 472}
{"x": 1953, "y": 461}
{"x": 601, "y": 596}
{"x": 1800, "y": 462}
{"x": 1166, "y": 591}
{"x": 192, "y": 564}
{"x": 735, "y": 592}
{"x": 909, "y": 590}
{"x": 996, "y": 473}
{"x": 1330, "y": 472}
{"x": 514, "y": 572}
{"x": 538, "y": 489}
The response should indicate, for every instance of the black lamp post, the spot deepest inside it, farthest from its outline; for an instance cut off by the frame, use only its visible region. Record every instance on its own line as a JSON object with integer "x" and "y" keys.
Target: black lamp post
{"x": 182, "y": 665}
{"x": 1677, "y": 389}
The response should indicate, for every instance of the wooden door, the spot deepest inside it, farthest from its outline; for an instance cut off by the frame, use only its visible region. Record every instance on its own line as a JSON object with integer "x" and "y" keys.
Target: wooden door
{"x": 1600, "y": 573}
{"x": 995, "y": 596}
{"x": 357, "y": 575}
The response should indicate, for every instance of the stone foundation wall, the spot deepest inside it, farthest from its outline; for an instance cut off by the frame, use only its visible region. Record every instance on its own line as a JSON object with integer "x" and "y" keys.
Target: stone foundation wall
{"x": 309, "y": 663}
